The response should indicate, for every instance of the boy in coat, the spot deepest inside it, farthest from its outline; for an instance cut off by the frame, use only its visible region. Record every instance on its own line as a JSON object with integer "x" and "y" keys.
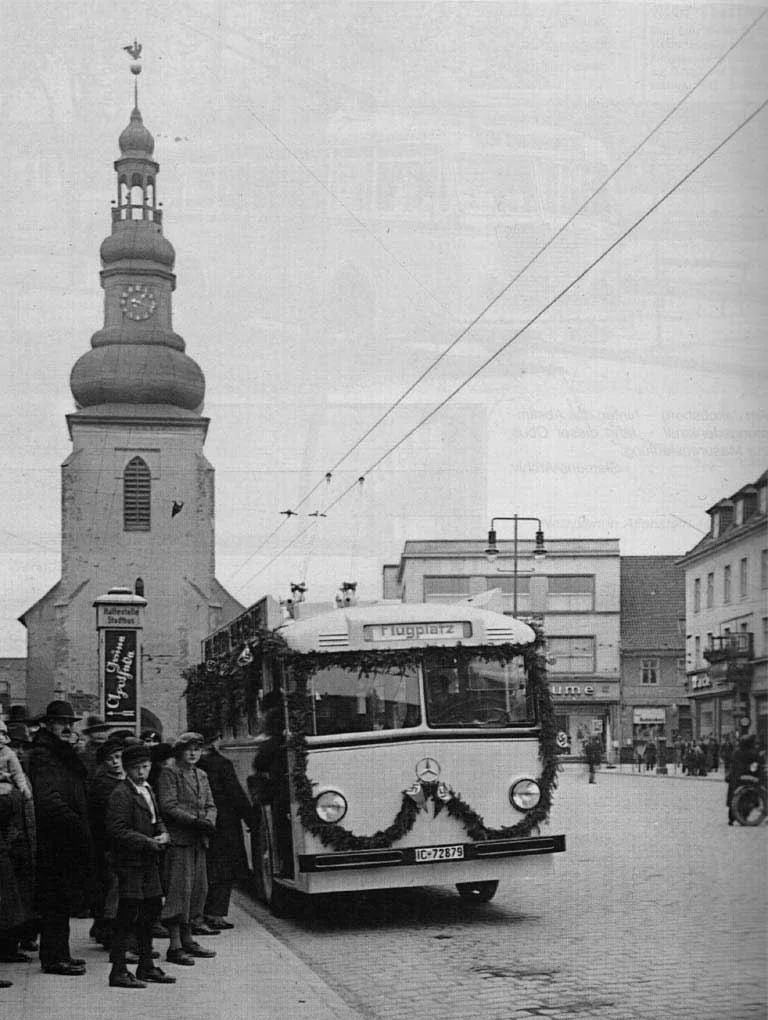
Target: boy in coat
{"x": 137, "y": 839}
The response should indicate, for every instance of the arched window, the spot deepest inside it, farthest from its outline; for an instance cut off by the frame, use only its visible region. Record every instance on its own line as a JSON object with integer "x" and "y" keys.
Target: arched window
{"x": 137, "y": 490}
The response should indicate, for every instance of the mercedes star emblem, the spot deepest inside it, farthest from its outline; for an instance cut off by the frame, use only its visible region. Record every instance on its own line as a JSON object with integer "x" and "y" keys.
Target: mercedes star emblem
{"x": 428, "y": 770}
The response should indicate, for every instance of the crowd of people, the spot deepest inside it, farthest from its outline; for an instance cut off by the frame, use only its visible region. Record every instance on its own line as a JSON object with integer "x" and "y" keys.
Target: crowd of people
{"x": 144, "y": 837}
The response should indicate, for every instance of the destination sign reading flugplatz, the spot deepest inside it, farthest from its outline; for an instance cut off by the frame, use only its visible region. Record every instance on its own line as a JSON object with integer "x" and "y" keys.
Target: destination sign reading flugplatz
{"x": 447, "y": 630}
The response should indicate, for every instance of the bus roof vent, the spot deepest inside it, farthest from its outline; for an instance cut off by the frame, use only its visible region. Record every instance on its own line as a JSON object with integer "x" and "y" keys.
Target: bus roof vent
{"x": 333, "y": 642}
{"x": 500, "y": 635}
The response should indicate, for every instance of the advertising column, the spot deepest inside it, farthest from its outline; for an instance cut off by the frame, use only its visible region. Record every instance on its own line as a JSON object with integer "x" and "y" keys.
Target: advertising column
{"x": 120, "y": 620}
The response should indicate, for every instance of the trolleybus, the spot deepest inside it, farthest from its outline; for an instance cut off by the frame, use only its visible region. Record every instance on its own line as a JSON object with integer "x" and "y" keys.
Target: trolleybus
{"x": 385, "y": 745}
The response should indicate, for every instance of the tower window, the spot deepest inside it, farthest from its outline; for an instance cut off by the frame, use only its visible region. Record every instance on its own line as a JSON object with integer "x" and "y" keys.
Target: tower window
{"x": 137, "y": 490}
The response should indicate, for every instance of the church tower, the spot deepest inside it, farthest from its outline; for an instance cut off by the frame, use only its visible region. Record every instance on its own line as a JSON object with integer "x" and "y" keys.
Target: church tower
{"x": 137, "y": 491}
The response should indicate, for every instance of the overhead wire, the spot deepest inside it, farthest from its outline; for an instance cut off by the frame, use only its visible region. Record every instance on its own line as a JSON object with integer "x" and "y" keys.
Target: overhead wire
{"x": 534, "y": 258}
{"x": 490, "y": 304}
{"x": 499, "y": 351}
{"x": 307, "y": 169}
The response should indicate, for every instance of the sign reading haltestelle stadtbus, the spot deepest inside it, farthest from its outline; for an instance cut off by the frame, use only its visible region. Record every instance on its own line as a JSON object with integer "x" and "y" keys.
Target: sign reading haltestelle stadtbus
{"x": 120, "y": 680}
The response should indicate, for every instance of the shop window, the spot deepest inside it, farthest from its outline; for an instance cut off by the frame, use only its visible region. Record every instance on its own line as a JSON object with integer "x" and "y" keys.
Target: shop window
{"x": 743, "y": 577}
{"x": 137, "y": 490}
{"x": 571, "y": 593}
{"x": 445, "y": 589}
{"x": 710, "y": 590}
{"x": 727, "y": 584}
{"x": 697, "y": 595}
{"x": 649, "y": 671}
{"x": 571, "y": 655}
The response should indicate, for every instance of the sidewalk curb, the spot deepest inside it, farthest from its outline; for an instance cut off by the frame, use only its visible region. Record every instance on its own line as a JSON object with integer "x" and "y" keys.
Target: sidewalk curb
{"x": 254, "y": 976}
{"x": 340, "y": 1009}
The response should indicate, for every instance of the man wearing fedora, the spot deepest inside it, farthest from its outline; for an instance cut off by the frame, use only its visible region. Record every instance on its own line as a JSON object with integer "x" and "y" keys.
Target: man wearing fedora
{"x": 64, "y": 845}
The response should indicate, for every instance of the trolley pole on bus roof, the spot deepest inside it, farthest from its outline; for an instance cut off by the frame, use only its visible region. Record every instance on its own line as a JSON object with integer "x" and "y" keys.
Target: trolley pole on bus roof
{"x": 492, "y": 551}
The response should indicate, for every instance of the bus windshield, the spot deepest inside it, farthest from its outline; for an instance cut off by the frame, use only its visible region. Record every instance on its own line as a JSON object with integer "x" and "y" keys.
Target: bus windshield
{"x": 476, "y": 693}
{"x": 348, "y": 701}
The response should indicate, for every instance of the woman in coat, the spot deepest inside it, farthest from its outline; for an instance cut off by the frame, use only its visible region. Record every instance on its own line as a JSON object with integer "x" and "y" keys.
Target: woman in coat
{"x": 187, "y": 807}
{"x": 226, "y": 859}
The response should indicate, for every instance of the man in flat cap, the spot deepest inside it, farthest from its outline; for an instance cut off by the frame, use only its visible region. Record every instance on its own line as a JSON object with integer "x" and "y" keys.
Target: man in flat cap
{"x": 64, "y": 845}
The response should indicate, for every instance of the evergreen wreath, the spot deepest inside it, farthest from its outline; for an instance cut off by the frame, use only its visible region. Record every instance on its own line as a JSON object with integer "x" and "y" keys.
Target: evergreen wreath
{"x": 220, "y": 690}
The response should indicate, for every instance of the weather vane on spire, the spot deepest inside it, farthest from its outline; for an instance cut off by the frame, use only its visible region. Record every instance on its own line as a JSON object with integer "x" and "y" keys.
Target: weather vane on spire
{"x": 135, "y": 50}
{"x": 135, "y": 53}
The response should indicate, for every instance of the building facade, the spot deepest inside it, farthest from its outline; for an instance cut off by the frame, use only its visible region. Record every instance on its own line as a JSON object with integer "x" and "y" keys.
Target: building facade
{"x": 13, "y": 684}
{"x": 137, "y": 490}
{"x": 726, "y": 615}
{"x": 655, "y": 706}
{"x": 573, "y": 592}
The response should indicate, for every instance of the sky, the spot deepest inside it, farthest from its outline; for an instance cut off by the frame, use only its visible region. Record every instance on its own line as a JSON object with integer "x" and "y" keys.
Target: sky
{"x": 347, "y": 187}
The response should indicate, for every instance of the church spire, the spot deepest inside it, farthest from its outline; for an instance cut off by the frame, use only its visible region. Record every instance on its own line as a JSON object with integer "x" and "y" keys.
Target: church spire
{"x": 136, "y": 358}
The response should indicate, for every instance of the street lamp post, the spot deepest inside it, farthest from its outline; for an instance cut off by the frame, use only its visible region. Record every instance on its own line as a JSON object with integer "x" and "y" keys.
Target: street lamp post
{"x": 492, "y": 551}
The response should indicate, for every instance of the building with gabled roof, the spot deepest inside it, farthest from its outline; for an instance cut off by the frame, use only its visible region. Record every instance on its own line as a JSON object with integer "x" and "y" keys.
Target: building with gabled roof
{"x": 726, "y": 594}
{"x": 654, "y": 704}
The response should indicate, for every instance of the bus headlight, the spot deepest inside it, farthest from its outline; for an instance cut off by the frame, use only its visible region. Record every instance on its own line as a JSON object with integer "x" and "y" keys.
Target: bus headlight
{"x": 330, "y": 806}
{"x": 524, "y": 794}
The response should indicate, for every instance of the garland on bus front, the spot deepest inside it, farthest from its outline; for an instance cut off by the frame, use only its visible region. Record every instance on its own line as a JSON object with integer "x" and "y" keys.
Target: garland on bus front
{"x": 221, "y": 690}
{"x": 414, "y": 799}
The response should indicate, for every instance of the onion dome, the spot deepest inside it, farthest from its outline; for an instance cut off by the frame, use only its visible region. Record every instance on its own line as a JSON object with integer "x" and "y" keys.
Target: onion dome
{"x": 137, "y": 374}
{"x": 136, "y": 139}
{"x": 136, "y": 240}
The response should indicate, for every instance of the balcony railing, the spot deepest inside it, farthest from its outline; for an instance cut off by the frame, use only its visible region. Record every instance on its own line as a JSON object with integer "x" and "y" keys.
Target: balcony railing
{"x": 731, "y": 648}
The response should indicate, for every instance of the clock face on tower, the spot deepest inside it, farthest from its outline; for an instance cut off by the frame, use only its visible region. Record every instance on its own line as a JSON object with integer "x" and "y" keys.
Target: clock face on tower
{"x": 137, "y": 301}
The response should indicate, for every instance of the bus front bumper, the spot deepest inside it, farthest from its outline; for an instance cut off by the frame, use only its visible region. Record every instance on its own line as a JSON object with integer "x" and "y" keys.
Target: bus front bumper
{"x": 487, "y": 850}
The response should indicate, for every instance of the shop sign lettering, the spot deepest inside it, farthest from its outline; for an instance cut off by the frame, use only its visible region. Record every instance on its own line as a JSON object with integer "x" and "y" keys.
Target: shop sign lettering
{"x": 574, "y": 690}
{"x": 700, "y": 681}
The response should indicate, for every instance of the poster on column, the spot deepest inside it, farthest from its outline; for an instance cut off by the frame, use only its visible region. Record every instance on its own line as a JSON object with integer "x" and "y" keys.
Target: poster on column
{"x": 120, "y": 677}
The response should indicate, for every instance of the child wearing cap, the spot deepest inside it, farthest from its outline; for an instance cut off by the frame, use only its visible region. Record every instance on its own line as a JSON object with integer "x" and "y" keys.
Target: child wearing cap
{"x": 11, "y": 773}
{"x": 138, "y": 838}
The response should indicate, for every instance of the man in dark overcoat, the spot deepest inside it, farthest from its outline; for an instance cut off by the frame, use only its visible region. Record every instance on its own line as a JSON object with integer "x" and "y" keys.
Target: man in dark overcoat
{"x": 64, "y": 845}
{"x": 226, "y": 860}
{"x": 138, "y": 837}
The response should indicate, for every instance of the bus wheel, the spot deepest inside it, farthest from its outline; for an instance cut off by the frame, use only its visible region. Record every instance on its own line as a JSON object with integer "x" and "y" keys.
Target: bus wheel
{"x": 268, "y": 890}
{"x": 478, "y": 892}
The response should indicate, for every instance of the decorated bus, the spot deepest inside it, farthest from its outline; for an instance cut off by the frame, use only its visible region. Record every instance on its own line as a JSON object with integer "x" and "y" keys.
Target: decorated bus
{"x": 385, "y": 745}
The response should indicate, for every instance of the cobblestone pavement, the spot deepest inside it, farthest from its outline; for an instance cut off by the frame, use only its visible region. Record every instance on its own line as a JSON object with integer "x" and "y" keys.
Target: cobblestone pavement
{"x": 657, "y": 910}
